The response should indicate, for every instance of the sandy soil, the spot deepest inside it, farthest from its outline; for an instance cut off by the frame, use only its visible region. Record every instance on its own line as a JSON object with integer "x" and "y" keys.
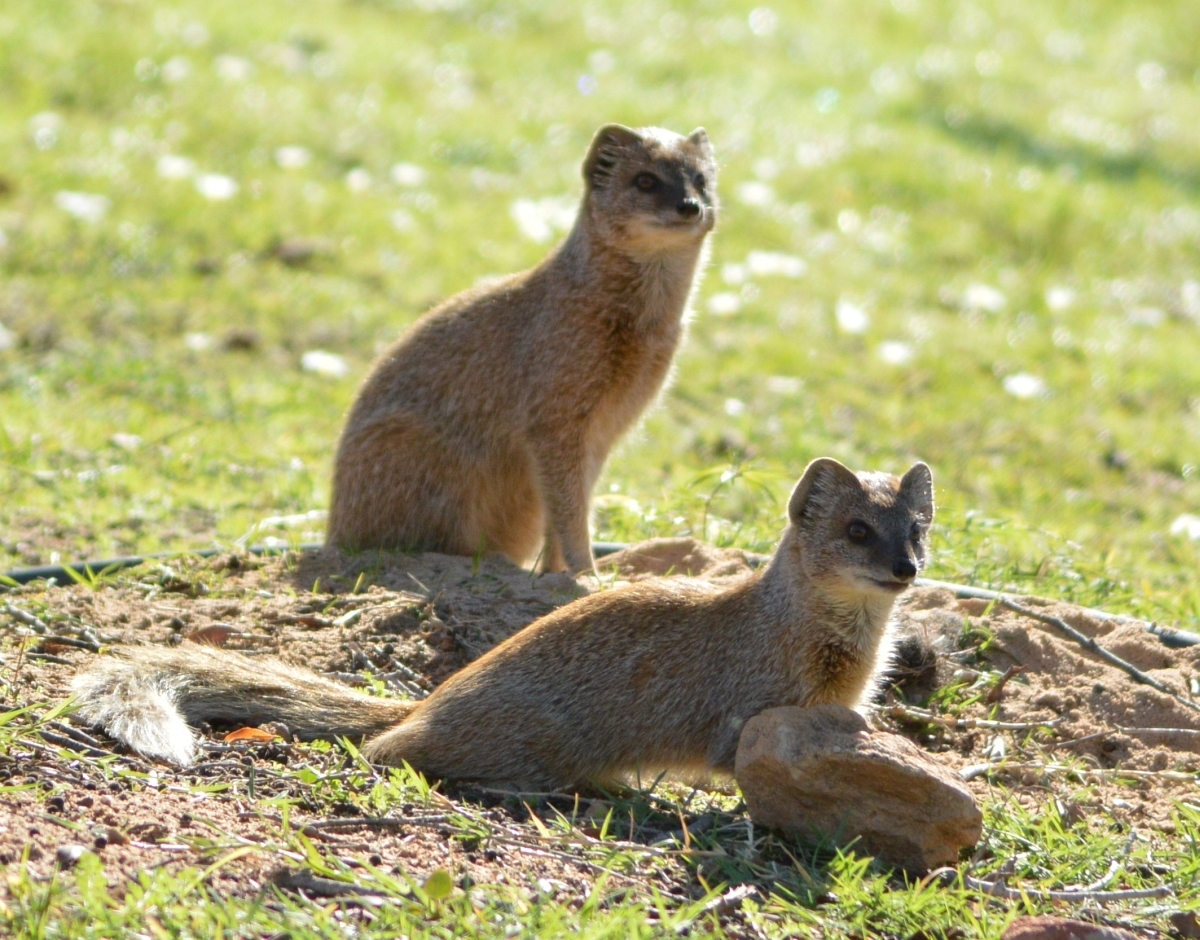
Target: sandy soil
{"x": 415, "y": 619}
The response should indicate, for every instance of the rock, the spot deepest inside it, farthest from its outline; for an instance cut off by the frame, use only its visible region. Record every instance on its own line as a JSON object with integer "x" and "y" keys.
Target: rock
{"x": 68, "y": 854}
{"x": 819, "y": 773}
{"x": 1062, "y": 928}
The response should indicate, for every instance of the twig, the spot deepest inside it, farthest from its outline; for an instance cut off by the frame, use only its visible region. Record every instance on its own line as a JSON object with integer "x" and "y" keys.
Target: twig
{"x": 26, "y": 618}
{"x": 1089, "y": 643}
{"x": 1090, "y": 892}
{"x": 1082, "y": 894}
{"x": 996, "y": 692}
{"x": 63, "y": 741}
{"x": 1087, "y": 737}
{"x": 978, "y": 770}
{"x": 48, "y": 658}
{"x": 1194, "y": 732}
{"x": 309, "y": 883}
{"x": 78, "y": 735}
{"x": 965, "y": 724}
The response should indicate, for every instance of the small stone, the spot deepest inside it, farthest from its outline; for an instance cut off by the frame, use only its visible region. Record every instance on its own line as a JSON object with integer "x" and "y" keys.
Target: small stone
{"x": 68, "y": 854}
{"x": 1062, "y": 928}
{"x": 819, "y": 773}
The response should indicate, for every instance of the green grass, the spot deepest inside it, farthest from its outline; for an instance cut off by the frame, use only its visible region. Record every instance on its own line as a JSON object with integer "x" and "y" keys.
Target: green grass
{"x": 1004, "y": 189}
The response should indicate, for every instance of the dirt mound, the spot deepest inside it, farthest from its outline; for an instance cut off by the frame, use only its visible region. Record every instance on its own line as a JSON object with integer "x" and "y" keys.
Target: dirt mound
{"x": 1066, "y": 716}
{"x": 1066, "y": 721}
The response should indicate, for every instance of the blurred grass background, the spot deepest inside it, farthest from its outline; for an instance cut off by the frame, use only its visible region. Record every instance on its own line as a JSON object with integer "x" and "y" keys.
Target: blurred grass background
{"x": 965, "y": 232}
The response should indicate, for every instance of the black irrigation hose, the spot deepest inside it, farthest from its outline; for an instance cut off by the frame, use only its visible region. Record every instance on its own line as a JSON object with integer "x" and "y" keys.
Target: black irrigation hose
{"x": 1168, "y": 636}
{"x": 61, "y": 573}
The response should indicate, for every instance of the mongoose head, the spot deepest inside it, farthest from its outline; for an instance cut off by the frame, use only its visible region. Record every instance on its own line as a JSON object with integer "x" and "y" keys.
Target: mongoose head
{"x": 650, "y": 190}
{"x": 860, "y": 536}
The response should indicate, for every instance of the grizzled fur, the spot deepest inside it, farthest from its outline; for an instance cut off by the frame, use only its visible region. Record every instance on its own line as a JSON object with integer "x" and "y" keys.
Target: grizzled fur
{"x": 486, "y": 426}
{"x": 657, "y": 675}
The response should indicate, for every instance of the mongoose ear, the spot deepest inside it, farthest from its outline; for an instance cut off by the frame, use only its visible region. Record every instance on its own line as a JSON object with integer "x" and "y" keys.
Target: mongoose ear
{"x": 609, "y": 141}
{"x": 917, "y": 487}
{"x": 699, "y": 137}
{"x": 823, "y": 477}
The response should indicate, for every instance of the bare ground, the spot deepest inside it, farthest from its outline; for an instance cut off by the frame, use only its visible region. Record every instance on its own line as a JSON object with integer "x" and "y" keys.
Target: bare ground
{"x": 1082, "y": 737}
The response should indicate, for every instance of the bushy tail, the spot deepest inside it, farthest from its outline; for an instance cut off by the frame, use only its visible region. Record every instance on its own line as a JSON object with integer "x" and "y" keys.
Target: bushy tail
{"x": 146, "y": 697}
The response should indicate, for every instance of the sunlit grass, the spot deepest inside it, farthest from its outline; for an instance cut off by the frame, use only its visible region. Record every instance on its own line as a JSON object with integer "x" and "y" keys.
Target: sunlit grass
{"x": 965, "y": 233}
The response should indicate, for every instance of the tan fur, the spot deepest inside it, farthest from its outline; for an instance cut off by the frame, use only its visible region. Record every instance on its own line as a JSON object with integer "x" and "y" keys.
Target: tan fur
{"x": 658, "y": 675}
{"x": 486, "y": 426}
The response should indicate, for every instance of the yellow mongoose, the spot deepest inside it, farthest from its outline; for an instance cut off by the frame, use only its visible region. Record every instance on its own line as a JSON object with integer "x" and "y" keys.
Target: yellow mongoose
{"x": 486, "y": 426}
{"x": 657, "y": 675}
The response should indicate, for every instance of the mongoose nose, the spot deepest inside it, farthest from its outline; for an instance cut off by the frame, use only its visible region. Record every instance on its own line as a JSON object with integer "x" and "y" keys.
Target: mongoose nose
{"x": 688, "y": 208}
{"x": 904, "y": 569}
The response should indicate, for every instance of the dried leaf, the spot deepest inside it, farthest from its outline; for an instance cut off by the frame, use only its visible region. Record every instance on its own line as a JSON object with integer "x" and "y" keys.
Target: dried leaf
{"x": 248, "y": 734}
{"x": 215, "y": 634}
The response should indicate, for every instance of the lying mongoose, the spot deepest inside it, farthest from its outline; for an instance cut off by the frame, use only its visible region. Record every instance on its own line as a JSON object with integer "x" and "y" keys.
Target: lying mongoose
{"x": 486, "y": 426}
{"x": 656, "y": 675}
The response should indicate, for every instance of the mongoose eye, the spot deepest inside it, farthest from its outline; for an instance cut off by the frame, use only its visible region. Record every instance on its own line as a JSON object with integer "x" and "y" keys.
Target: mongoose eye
{"x": 858, "y": 531}
{"x": 699, "y": 182}
{"x": 915, "y": 532}
{"x": 646, "y": 182}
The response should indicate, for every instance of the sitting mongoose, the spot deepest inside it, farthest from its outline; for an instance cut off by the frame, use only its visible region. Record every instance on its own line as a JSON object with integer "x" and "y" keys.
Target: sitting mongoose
{"x": 486, "y": 426}
{"x": 657, "y": 675}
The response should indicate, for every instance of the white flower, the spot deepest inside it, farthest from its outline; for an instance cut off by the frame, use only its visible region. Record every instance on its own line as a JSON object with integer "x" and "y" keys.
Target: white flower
{"x": 233, "y": 68}
{"x": 784, "y": 385}
{"x": 45, "y": 127}
{"x": 408, "y": 174}
{"x": 87, "y": 207}
{"x": 734, "y": 407}
{"x": 724, "y": 304}
{"x": 1146, "y": 316}
{"x": 1187, "y": 525}
{"x": 176, "y": 69}
{"x": 895, "y": 352}
{"x": 402, "y": 221}
{"x": 216, "y": 186}
{"x": 171, "y": 167}
{"x": 763, "y": 21}
{"x": 292, "y": 157}
{"x": 1189, "y": 296}
{"x": 1059, "y": 298}
{"x": 755, "y": 193}
{"x": 129, "y": 442}
{"x": 198, "y": 342}
{"x": 358, "y": 180}
{"x": 851, "y": 318}
{"x": 767, "y": 263}
{"x": 324, "y": 363}
{"x": 1024, "y": 385}
{"x": 539, "y": 218}
{"x": 984, "y": 297}
{"x": 7, "y": 339}
{"x": 733, "y": 273}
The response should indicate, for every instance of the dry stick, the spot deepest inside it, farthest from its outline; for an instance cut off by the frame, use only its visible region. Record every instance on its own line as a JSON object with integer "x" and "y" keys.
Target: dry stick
{"x": 978, "y": 770}
{"x": 306, "y": 881}
{"x": 1090, "y": 892}
{"x": 25, "y": 617}
{"x": 1090, "y": 644}
{"x": 1082, "y": 894}
{"x": 965, "y": 724}
{"x": 1184, "y": 731}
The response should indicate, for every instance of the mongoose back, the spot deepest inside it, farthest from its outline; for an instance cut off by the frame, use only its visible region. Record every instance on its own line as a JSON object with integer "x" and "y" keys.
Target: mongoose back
{"x": 486, "y": 426}
{"x": 657, "y": 675}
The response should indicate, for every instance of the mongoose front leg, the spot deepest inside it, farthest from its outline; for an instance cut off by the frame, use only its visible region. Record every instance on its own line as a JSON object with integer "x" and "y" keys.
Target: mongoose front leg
{"x": 568, "y": 544}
